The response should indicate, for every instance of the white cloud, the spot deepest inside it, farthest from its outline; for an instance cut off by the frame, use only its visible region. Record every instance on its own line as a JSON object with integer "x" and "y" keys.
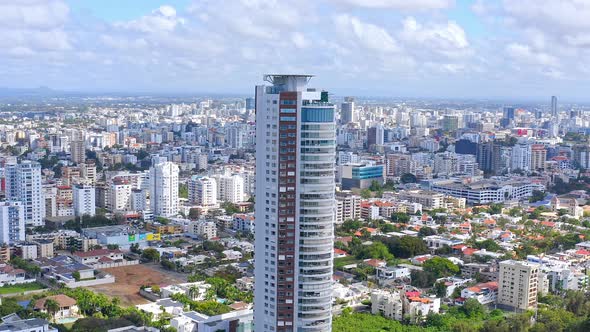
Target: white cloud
{"x": 33, "y": 14}
{"x": 19, "y": 51}
{"x": 448, "y": 39}
{"x": 578, "y": 40}
{"x": 400, "y": 4}
{"x": 524, "y": 54}
{"x": 550, "y": 14}
{"x": 163, "y": 19}
{"x": 299, "y": 40}
{"x": 368, "y": 36}
{"x": 31, "y": 26}
{"x": 344, "y": 42}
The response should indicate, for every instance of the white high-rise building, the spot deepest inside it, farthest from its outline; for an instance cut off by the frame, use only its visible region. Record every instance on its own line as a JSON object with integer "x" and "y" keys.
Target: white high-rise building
{"x": 202, "y": 191}
{"x": 380, "y": 134}
{"x": 164, "y": 189}
{"x": 230, "y": 188}
{"x": 84, "y": 200}
{"x": 23, "y": 183}
{"x": 521, "y": 157}
{"x": 119, "y": 196}
{"x": 295, "y": 206}
{"x": 202, "y": 161}
{"x": 12, "y": 222}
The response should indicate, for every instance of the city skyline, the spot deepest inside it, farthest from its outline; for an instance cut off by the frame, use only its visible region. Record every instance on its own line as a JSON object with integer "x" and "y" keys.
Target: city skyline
{"x": 428, "y": 48}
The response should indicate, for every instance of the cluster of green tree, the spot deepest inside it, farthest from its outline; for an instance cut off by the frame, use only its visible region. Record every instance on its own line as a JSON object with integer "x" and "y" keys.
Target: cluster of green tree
{"x": 150, "y": 255}
{"x": 349, "y": 226}
{"x": 101, "y": 312}
{"x": 183, "y": 190}
{"x": 25, "y": 265}
{"x": 93, "y": 324}
{"x": 575, "y": 137}
{"x": 221, "y": 288}
{"x": 376, "y": 189}
{"x": 440, "y": 267}
{"x": 127, "y": 167}
{"x": 400, "y": 217}
{"x": 495, "y": 208}
{"x": 349, "y": 322}
{"x": 408, "y": 178}
{"x": 489, "y": 245}
{"x": 230, "y": 208}
{"x": 168, "y": 264}
{"x": 403, "y": 247}
{"x": 560, "y": 187}
{"x": 47, "y": 162}
{"x": 551, "y": 241}
{"x": 229, "y": 273}
{"x": 538, "y": 195}
{"x": 376, "y": 250}
{"x": 433, "y": 269}
{"x": 556, "y": 313}
{"x": 210, "y": 307}
{"x": 212, "y": 246}
{"x": 87, "y": 221}
{"x": 380, "y": 248}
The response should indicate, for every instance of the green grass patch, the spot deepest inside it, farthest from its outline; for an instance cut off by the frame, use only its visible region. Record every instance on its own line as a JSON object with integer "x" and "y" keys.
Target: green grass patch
{"x": 342, "y": 261}
{"x": 20, "y": 288}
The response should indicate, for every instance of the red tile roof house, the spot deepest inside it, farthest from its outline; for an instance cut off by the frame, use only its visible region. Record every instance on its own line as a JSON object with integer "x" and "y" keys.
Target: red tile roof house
{"x": 375, "y": 262}
{"x": 344, "y": 239}
{"x": 419, "y": 260}
{"x": 67, "y": 306}
{"x": 339, "y": 253}
{"x": 491, "y": 223}
{"x": 98, "y": 256}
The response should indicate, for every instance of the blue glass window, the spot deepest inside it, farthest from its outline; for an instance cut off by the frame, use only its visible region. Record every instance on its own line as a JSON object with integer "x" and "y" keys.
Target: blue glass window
{"x": 310, "y": 114}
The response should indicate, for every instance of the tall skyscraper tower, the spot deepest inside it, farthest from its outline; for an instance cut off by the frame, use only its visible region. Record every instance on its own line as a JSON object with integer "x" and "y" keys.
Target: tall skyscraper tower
{"x": 78, "y": 151}
{"x": 23, "y": 183}
{"x": 295, "y": 206}
{"x": 164, "y": 189}
{"x": 553, "y": 106}
{"x": 347, "y": 111}
{"x": 509, "y": 113}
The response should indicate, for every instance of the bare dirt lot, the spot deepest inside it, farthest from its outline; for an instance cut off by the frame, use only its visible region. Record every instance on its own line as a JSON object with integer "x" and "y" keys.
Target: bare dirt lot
{"x": 129, "y": 279}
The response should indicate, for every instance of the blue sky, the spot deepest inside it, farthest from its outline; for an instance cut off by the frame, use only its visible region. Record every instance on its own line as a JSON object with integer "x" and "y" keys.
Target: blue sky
{"x": 523, "y": 49}
{"x": 121, "y": 10}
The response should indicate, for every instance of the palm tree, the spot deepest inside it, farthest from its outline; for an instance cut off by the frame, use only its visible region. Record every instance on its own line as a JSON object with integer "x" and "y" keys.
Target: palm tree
{"x": 51, "y": 306}
{"x": 193, "y": 292}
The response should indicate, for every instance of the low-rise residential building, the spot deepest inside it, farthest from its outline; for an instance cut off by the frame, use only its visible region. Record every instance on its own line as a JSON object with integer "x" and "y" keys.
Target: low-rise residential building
{"x": 243, "y": 222}
{"x": 161, "y": 306}
{"x": 387, "y": 304}
{"x": 484, "y": 293}
{"x": 98, "y": 256}
{"x": 437, "y": 241}
{"x": 240, "y": 320}
{"x": 391, "y": 274}
{"x": 13, "y": 323}
{"x": 9, "y": 275}
{"x": 205, "y": 229}
{"x": 518, "y": 285}
{"x": 68, "y": 307}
